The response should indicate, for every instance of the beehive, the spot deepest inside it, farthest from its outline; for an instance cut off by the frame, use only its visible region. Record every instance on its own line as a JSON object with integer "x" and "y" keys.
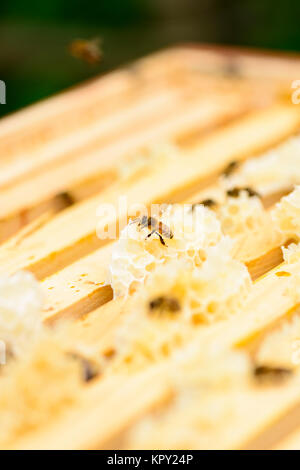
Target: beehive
{"x": 162, "y": 130}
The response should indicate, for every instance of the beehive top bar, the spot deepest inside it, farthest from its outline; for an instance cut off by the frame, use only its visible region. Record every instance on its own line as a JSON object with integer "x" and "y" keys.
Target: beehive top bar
{"x": 169, "y": 129}
{"x": 251, "y": 62}
{"x": 74, "y": 141}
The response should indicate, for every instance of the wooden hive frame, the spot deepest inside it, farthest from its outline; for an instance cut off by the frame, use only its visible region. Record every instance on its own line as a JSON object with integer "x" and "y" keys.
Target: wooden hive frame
{"x": 65, "y": 156}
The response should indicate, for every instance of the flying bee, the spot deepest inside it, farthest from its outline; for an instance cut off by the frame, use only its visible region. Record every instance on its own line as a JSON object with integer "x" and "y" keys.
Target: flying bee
{"x": 87, "y": 50}
{"x": 163, "y": 303}
{"x": 235, "y": 192}
{"x": 230, "y": 168}
{"x": 155, "y": 226}
{"x": 268, "y": 374}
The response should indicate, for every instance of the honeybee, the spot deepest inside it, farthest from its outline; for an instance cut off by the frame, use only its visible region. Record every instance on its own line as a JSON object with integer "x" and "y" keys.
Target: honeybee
{"x": 163, "y": 303}
{"x": 230, "y": 168}
{"x": 155, "y": 226}
{"x": 268, "y": 374}
{"x": 205, "y": 203}
{"x": 87, "y": 50}
{"x": 235, "y": 192}
{"x": 66, "y": 198}
{"x": 89, "y": 370}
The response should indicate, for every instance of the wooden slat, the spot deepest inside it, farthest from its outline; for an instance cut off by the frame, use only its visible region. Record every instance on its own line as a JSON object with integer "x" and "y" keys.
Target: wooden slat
{"x": 157, "y": 67}
{"x": 99, "y": 108}
{"x": 84, "y": 428}
{"x": 107, "y": 123}
{"x": 289, "y": 442}
{"x": 74, "y": 290}
{"x": 261, "y": 65}
{"x": 100, "y": 160}
{"x": 90, "y": 423}
{"x": 232, "y": 332}
{"x": 72, "y": 233}
{"x": 78, "y": 288}
{"x": 52, "y": 130}
{"x": 96, "y": 330}
{"x": 71, "y": 141}
{"x": 41, "y": 129}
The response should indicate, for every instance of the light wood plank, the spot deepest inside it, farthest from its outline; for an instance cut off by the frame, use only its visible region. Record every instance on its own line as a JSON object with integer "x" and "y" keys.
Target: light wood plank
{"x": 72, "y": 234}
{"x": 224, "y": 334}
{"x": 99, "y": 160}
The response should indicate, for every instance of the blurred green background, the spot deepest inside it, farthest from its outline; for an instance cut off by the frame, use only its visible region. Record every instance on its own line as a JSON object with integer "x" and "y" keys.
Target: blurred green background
{"x": 34, "y": 35}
